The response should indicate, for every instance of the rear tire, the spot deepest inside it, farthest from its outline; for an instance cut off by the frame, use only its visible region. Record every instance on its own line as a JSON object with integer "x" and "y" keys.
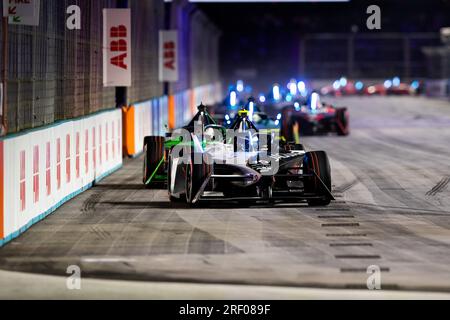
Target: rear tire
{"x": 153, "y": 154}
{"x": 342, "y": 122}
{"x": 319, "y": 163}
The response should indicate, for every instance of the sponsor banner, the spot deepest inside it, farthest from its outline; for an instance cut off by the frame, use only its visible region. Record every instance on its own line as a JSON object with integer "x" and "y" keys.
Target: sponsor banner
{"x": 22, "y": 12}
{"x": 168, "y": 56}
{"x": 117, "y": 47}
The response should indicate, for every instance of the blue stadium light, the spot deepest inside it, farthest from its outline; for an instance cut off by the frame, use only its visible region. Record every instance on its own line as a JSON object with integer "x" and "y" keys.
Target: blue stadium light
{"x": 276, "y": 92}
{"x": 388, "y": 84}
{"x": 415, "y": 85}
{"x": 301, "y": 86}
{"x": 336, "y": 85}
{"x": 227, "y": 117}
{"x": 293, "y": 87}
{"x": 262, "y": 98}
{"x": 277, "y": 122}
{"x": 289, "y": 98}
{"x": 297, "y": 106}
{"x": 251, "y": 110}
{"x": 240, "y": 86}
{"x": 343, "y": 82}
{"x": 359, "y": 85}
{"x": 396, "y": 81}
{"x": 279, "y": 116}
{"x": 233, "y": 99}
{"x": 314, "y": 101}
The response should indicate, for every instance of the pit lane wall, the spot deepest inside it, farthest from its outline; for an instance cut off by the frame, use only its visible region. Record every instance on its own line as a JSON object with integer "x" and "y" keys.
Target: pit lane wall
{"x": 151, "y": 118}
{"x": 44, "y": 168}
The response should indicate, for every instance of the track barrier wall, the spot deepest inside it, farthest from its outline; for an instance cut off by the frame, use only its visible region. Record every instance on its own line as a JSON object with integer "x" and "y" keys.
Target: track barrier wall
{"x": 44, "y": 168}
{"x": 439, "y": 88}
{"x": 150, "y": 118}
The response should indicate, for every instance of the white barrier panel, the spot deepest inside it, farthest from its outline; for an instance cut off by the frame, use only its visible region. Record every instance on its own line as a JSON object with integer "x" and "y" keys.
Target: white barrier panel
{"x": 46, "y": 167}
{"x": 183, "y": 110}
{"x": 143, "y": 124}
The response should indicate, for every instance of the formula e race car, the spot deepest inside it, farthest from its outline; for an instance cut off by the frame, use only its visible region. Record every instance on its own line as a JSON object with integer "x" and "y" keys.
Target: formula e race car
{"x": 343, "y": 87}
{"x": 206, "y": 162}
{"x": 394, "y": 87}
{"x": 313, "y": 118}
{"x": 157, "y": 148}
{"x": 261, "y": 120}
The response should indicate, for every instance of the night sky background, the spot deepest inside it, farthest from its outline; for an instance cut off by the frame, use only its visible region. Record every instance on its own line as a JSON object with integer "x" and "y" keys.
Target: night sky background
{"x": 265, "y": 36}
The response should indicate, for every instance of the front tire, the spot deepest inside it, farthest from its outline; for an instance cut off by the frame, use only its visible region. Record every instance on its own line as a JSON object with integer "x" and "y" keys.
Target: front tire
{"x": 317, "y": 162}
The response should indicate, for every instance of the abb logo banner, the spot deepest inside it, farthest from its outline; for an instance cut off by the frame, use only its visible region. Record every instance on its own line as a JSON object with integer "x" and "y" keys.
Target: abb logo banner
{"x": 168, "y": 56}
{"x": 116, "y": 47}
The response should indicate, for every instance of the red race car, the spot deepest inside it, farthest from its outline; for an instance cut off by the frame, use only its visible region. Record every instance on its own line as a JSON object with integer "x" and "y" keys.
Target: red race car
{"x": 393, "y": 87}
{"x": 313, "y": 118}
{"x": 342, "y": 87}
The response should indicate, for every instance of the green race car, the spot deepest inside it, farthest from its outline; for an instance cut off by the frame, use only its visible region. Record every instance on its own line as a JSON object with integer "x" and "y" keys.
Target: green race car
{"x": 156, "y": 149}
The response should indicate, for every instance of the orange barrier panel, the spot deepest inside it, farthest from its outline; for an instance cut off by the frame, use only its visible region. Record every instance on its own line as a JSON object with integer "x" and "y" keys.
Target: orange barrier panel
{"x": 192, "y": 102}
{"x": 1, "y": 192}
{"x": 128, "y": 130}
{"x": 171, "y": 113}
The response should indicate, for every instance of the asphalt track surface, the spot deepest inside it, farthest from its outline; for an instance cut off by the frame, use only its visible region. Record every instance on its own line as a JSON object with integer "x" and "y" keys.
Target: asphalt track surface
{"x": 391, "y": 180}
